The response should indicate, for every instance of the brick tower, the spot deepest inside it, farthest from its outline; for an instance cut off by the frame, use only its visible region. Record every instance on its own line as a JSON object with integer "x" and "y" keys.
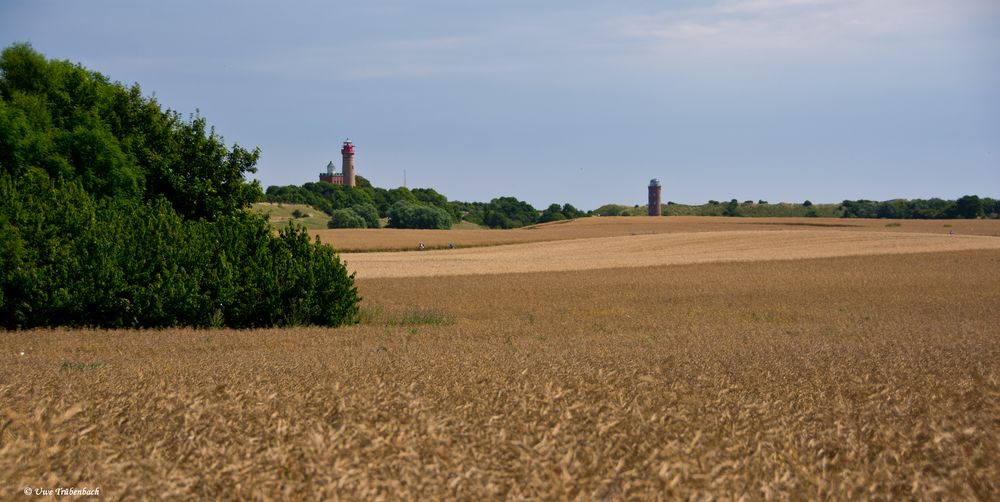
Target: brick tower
{"x": 654, "y": 198}
{"x": 348, "y": 152}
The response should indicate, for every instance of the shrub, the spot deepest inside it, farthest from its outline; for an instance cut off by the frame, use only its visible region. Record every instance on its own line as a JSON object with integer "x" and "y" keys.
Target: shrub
{"x": 496, "y": 219}
{"x": 408, "y": 215}
{"x": 345, "y": 218}
{"x": 547, "y": 217}
{"x": 732, "y": 209}
{"x": 509, "y": 212}
{"x": 552, "y": 213}
{"x": 368, "y": 213}
{"x": 63, "y": 264}
{"x": 572, "y": 212}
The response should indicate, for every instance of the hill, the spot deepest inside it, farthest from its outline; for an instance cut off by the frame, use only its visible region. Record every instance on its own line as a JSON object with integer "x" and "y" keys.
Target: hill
{"x": 281, "y": 215}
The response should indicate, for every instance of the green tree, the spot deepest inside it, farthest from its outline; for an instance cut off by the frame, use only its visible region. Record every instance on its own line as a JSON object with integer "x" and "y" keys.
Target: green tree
{"x": 552, "y": 213}
{"x": 991, "y": 207}
{"x": 969, "y": 206}
{"x": 732, "y": 208}
{"x": 345, "y": 218}
{"x": 572, "y": 212}
{"x": 509, "y": 212}
{"x": 116, "y": 213}
{"x": 430, "y": 197}
{"x": 76, "y": 124}
{"x": 409, "y": 215}
{"x": 368, "y": 213}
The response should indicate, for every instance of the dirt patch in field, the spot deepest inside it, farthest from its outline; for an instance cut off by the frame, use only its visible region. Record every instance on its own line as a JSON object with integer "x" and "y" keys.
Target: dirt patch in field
{"x": 656, "y": 249}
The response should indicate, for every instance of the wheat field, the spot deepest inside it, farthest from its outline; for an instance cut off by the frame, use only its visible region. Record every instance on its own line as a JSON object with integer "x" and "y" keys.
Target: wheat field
{"x": 385, "y": 239}
{"x": 656, "y": 249}
{"x": 861, "y": 376}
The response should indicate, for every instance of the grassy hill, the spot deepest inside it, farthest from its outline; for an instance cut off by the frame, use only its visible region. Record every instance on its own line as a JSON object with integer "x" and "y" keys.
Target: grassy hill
{"x": 312, "y": 218}
{"x": 281, "y": 214}
{"x": 467, "y": 225}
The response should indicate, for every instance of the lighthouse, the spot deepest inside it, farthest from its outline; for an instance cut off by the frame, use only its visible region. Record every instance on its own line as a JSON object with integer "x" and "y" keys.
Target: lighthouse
{"x": 348, "y": 164}
{"x": 654, "y": 198}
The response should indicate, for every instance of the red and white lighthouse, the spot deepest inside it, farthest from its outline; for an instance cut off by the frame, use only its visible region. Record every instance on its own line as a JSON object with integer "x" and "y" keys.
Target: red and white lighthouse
{"x": 348, "y": 153}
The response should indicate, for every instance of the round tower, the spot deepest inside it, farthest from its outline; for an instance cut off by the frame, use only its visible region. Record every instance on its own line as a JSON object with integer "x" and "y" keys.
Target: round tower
{"x": 348, "y": 152}
{"x": 654, "y": 198}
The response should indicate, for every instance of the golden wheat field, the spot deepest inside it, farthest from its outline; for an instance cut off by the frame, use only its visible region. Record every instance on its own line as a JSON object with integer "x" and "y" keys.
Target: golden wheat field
{"x": 763, "y": 375}
{"x": 656, "y": 249}
{"x": 613, "y": 226}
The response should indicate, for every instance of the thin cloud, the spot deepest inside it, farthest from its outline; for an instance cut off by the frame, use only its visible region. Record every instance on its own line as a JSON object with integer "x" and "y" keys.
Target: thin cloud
{"x": 757, "y": 6}
{"x": 795, "y": 24}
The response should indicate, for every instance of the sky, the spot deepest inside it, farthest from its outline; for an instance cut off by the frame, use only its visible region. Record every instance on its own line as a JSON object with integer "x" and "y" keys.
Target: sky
{"x": 578, "y": 101}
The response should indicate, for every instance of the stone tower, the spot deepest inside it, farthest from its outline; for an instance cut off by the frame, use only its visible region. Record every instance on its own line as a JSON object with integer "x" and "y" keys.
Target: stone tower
{"x": 654, "y": 198}
{"x": 348, "y": 152}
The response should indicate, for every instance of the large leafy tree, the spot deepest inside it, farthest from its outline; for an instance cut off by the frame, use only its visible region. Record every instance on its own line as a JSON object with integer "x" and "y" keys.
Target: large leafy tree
{"x": 969, "y": 206}
{"x": 75, "y": 124}
{"x": 116, "y": 213}
{"x": 406, "y": 214}
{"x": 509, "y": 212}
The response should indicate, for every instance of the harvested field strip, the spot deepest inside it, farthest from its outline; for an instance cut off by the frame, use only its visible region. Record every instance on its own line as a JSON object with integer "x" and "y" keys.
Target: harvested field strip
{"x": 656, "y": 249}
{"x": 386, "y": 239}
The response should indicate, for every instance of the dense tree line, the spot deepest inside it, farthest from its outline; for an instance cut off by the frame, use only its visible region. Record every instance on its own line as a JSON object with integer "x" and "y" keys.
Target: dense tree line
{"x": 969, "y": 206}
{"x": 416, "y": 208}
{"x": 509, "y": 212}
{"x": 732, "y": 208}
{"x": 117, "y": 213}
{"x": 346, "y": 206}
{"x": 323, "y": 196}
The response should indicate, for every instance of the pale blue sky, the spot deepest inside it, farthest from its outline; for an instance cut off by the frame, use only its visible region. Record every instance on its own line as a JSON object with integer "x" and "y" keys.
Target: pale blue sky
{"x": 579, "y": 102}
